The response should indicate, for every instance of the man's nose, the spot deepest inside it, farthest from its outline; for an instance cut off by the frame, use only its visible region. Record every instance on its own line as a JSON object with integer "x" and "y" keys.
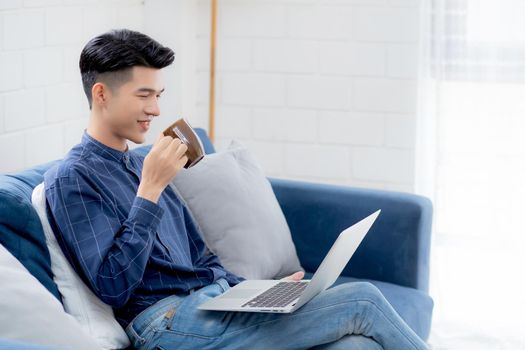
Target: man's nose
{"x": 153, "y": 108}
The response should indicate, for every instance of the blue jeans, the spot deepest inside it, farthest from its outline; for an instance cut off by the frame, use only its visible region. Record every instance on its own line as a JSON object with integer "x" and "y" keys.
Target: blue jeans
{"x": 349, "y": 316}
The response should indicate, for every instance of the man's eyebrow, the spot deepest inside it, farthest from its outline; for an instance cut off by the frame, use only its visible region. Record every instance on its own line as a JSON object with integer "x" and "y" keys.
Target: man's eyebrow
{"x": 150, "y": 90}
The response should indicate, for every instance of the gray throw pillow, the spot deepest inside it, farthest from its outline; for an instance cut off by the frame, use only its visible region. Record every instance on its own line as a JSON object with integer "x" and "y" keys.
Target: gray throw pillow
{"x": 241, "y": 221}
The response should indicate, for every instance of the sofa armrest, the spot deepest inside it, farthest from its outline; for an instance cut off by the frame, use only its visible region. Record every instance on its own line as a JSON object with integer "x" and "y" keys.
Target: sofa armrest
{"x": 395, "y": 250}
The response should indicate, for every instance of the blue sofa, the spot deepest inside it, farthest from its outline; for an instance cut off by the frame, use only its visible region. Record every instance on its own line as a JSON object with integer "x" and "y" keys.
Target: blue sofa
{"x": 394, "y": 255}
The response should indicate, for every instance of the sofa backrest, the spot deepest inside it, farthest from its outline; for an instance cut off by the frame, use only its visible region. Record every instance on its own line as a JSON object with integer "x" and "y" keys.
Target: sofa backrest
{"x": 20, "y": 228}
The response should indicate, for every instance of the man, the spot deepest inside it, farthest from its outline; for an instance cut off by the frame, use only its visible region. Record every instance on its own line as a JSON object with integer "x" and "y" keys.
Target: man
{"x": 135, "y": 245}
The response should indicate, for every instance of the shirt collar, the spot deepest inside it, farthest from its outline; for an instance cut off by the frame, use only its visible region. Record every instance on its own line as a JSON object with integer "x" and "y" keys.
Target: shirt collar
{"x": 102, "y": 150}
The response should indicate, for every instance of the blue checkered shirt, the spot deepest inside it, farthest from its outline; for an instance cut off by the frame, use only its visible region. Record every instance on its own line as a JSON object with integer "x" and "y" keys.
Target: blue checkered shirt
{"x": 130, "y": 251}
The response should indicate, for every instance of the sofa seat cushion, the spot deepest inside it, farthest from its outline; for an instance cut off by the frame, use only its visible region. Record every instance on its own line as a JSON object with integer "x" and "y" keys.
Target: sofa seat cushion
{"x": 414, "y": 306}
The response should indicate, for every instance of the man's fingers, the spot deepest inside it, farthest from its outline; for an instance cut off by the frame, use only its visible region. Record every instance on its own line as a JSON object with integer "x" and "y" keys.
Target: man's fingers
{"x": 177, "y": 148}
{"x": 298, "y": 276}
{"x": 183, "y": 161}
{"x": 295, "y": 277}
{"x": 162, "y": 142}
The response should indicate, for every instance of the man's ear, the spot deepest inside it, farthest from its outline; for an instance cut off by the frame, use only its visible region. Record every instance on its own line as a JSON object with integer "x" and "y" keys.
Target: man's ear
{"x": 100, "y": 94}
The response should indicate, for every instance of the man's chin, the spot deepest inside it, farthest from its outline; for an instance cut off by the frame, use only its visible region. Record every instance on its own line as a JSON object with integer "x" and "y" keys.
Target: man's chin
{"x": 138, "y": 139}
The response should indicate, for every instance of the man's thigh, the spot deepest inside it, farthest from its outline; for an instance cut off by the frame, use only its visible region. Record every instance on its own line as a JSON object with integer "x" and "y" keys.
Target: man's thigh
{"x": 326, "y": 318}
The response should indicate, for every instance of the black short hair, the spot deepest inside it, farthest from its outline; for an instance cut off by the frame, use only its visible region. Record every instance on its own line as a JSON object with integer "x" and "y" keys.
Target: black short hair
{"x": 109, "y": 58}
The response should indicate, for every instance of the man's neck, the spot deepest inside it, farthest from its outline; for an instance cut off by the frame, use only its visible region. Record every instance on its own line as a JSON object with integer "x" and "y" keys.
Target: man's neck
{"x": 103, "y": 134}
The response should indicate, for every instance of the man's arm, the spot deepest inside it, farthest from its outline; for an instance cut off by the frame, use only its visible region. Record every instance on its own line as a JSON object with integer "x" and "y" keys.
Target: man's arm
{"x": 111, "y": 255}
{"x": 163, "y": 162}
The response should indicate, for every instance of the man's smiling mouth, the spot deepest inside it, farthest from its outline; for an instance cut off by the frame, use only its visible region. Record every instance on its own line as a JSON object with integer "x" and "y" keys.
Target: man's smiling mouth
{"x": 144, "y": 123}
{"x": 148, "y": 119}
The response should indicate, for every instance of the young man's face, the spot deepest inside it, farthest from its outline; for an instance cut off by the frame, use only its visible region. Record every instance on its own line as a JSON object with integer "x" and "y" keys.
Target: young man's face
{"x": 131, "y": 106}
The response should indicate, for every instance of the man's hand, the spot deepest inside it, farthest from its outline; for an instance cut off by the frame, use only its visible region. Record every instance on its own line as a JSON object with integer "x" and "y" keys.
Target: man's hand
{"x": 165, "y": 159}
{"x": 295, "y": 277}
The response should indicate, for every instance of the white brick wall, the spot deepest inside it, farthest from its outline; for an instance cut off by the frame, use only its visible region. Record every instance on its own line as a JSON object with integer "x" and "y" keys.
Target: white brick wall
{"x": 279, "y": 124}
{"x": 320, "y": 90}
{"x": 13, "y": 151}
{"x": 43, "y": 67}
{"x": 360, "y": 59}
{"x": 65, "y": 101}
{"x": 386, "y": 24}
{"x": 400, "y": 131}
{"x": 317, "y": 160}
{"x": 383, "y": 164}
{"x": 9, "y": 4}
{"x": 252, "y": 18}
{"x": 51, "y": 136}
{"x": 402, "y": 61}
{"x": 11, "y": 71}
{"x": 43, "y": 109}
{"x": 384, "y": 95}
{"x": 253, "y": 89}
{"x": 320, "y": 22}
{"x": 269, "y": 154}
{"x": 234, "y": 55}
{"x": 350, "y": 128}
{"x": 60, "y": 18}
{"x": 237, "y": 121}
{"x": 24, "y": 29}
{"x": 297, "y": 56}
{"x": 25, "y": 109}
{"x": 1, "y": 114}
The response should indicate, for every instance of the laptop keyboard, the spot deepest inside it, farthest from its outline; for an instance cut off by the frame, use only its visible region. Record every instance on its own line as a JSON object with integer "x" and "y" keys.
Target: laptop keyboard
{"x": 280, "y": 295}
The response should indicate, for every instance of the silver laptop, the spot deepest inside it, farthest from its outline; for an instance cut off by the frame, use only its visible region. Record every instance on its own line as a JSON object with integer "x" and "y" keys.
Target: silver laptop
{"x": 288, "y": 296}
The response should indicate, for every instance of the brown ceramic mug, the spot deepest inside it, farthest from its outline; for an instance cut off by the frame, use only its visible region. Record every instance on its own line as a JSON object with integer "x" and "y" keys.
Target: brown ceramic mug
{"x": 182, "y": 130}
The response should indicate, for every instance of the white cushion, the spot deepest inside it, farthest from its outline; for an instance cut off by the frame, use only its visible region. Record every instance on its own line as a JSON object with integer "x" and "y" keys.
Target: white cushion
{"x": 241, "y": 221}
{"x": 29, "y": 313}
{"x": 93, "y": 315}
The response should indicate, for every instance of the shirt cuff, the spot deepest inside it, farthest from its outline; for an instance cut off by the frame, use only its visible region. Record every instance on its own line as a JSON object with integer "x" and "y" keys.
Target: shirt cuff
{"x": 146, "y": 213}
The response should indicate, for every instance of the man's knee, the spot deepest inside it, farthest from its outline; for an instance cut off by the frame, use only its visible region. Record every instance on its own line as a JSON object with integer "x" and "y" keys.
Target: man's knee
{"x": 362, "y": 290}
